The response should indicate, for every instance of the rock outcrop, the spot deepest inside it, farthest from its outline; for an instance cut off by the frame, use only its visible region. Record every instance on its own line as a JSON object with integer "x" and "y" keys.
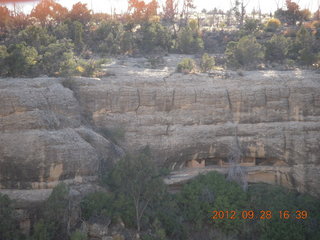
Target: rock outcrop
{"x": 44, "y": 137}
{"x": 49, "y": 126}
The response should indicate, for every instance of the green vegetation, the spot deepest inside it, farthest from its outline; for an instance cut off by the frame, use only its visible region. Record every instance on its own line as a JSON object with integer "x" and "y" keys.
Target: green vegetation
{"x": 135, "y": 194}
{"x": 115, "y": 134}
{"x": 273, "y": 24}
{"x": 97, "y": 204}
{"x": 7, "y": 221}
{"x": 246, "y": 52}
{"x": 77, "y": 235}
{"x": 32, "y": 45}
{"x": 277, "y": 48}
{"x": 136, "y": 179}
{"x": 187, "y": 65}
{"x": 207, "y": 63}
{"x": 154, "y": 35}
{"x": 54, "y": 216}
{"x": 189, "y": 212}
{"x": 275, "y": 199}
{"x": 189, "y": 41}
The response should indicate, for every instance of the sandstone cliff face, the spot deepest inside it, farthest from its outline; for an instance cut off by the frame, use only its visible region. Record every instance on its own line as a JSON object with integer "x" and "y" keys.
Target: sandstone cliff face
{"x": 275, "y": 115}
{"x": 44, "y": 138}
{"x": 46, "y": 124}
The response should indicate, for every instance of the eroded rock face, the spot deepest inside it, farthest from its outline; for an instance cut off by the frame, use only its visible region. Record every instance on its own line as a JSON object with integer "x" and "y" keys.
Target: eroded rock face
{"x": 44, "y": 138}
{"x": 47, "y": 124}
{"x": 275, "y": 115}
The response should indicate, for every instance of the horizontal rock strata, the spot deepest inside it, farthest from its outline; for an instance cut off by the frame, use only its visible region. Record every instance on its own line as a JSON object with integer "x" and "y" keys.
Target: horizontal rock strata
{"x": 58, "y": 129}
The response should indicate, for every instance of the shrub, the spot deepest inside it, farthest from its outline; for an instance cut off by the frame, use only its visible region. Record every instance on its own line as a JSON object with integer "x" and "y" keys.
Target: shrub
{"x": 246, "y": 52}
{"x": 61, "y": 31}
{"x": 251, "y": 25}
{"x": 36, "y": 36}
{"x": 56, "y": 212}
{"x": 3, "y": 57}
{"x": 304, "y": 47}
{"x": 40, "y": 231}
{"x": 306, "y": 43}
{"x": 97, "y": 204}
{"x": 111, "y": 38}
{"x": 22, "y": 60}
{"x": 58, "y": 59}
{"x": 154, "y": 35}
{"x": 90, "y": 68}
{"x": 187, "y": 65}
{"x": 273, "y": 24}
{"x": 189, "y": 41}
{"x": 127, "y": 42}
{"x": 77, "y": 36}
{"x": 111, "y": 45}
{"x": 210, "y": 192}
{"x": 136, "y": 179}
{"x": 277, "y": 48}
{"x": 207, "y": 63}
{"x": 115, "y": 134}
{"x": 7, "y": 222}
{"x": 275, "y": 199}
{"x": 78, "y": 235}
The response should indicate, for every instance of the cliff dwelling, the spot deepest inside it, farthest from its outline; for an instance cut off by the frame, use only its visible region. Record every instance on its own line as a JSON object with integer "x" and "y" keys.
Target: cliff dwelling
{"x": 245, "y": 162}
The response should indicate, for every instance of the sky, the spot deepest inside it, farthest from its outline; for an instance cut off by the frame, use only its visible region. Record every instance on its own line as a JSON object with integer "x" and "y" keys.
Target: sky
{"x": 266, "y": 6}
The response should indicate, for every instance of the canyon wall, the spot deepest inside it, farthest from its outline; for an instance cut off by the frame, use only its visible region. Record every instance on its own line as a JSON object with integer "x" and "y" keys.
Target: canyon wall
{"x": 52, "y": 129}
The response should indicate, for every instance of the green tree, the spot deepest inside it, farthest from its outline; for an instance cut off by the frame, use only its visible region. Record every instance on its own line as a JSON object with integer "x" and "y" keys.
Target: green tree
{"x": 109, "y": 37}
{"x": 7, "y": 222}
{"x": 22, "y": 60}
{"x": 61, "y": 31}
{"x": 97, "y": 204}
{"x": 127, "y": 43}
{"x": 136, "y": 178}
{"x": 207, "y": 63}
{"x": 58, "y": 59}
{"x": 210, "y": 192}
{"x": 77, "y": 235}
{"x": 39, "y": 231}
{"x": 36, "y": 37}
{"x": 154, "y": 35}
{"x": 304, "y": 47}
{"x": 275, "y": 199}
{"x": 246, "y": 52}
{"x": 56, "y": 212}
{"x": 77, "y": 36}
{"x": 3, "y": 60}
{"x": 277, "y": 48}
{"x": 251, "y": 25}
{"x": 306, "y": 42}
{"x": 189, "y": 41}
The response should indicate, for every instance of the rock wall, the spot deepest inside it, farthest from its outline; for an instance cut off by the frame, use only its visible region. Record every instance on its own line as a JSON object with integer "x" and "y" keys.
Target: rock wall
{"x": 275, "y": 116}
{"x": 49, "y": 126}
{"x": 44, "y": 138}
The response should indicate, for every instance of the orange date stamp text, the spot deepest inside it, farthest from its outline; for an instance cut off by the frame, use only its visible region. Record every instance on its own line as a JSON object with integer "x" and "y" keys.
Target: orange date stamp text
{"x": 262, "y": 214}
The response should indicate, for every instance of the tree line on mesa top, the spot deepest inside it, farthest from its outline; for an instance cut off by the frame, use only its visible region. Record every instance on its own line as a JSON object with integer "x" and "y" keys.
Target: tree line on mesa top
{"x": 55, "y": 41}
